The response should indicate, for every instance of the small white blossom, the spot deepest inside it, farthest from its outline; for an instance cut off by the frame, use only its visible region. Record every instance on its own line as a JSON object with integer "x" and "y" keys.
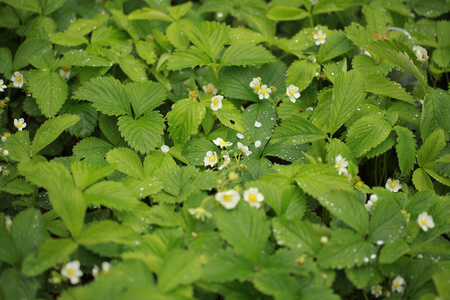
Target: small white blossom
{"x": 253, "y": 197}
{"x": 240, "y": 135}
{"x": 264, "y": 92}
{"x": 393, "y": 186}
{"x": 5, "y": 152}
{"x": 221, "y": 143}
{"x": 2, "y": 86}
{"x": 257, "y": 124}
{"x": 313, "y": 2}
{"x": 368, "y": 205}
{"x": 64, "y": 72}
{"x": 425, "y": 221}
{"x": 372, "y": 200}
{"x": 341, "y": 165}
{"x": 216, "y": 102}
{"x": 17, "y": 79}
{"x": 20, "y": 124}
{"x": 255, "y": 84}
{"x": 210, "y": 158}
{"x": 377, "y": 291}
{"x": 324, "y": 240}
{"x": 380, "y": 242}
{"x": 228, "y": 199}
{"x": 225, "y": 162}
{"x": 165, "y": 148}
{"x": 72, "y": 271}
{"x": 210, "y": 89}
{"x": 421, "y": 53}
{"x": 398, "y": 285}
{"x": 320, "y": 37}
{"x": 106, "y": 268}
{"x": 244, "y": 149}
{"x": 5, "y": 136}
{"x": 292, "y": 92}
{"x": 258, "y": 144}
{"x": 8, "y": 220}
{"x": 200, "y": 213}
{"x": 310, "y": 108}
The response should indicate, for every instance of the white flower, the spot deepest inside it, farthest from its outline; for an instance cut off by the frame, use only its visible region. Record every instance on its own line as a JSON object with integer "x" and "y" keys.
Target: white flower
{"x": 320, "y": 37}
{"x": 210, "y": 89}
{"x": 199, "y": 213}
{"x": 244, "y": 149}
{"x": 216, "y": 102}
{"x": 5, "y": 136}
{"x": 64, "y": 72}
{"x": 372, "y": 200}
{"x": 292, "y": 92}
{"x": 393, "y": 186}
{"x": 425, "y": 221}
{"x": 5, "y": 152}
{"x": 226, "y": 162}
{"x": 341, "y": 164}
{"x": 310, "y": 108}
{"x": 72, "y": 271}
{"x": 380, "y": 242}
{"x": 421, "y": 53}
{"x": 221, "y": 143}
{"x": 20, "y": 124}
{"x": 258, "y": 144}
{"x": 165, "y": 148}
{"x": 210, "y": 158}
{"x": 2, "y": 86}
{"x": 253, "y": 197}
{"x": 255, "y": 84}
{"x": 228, "y": 199}
{"x": 313, "y": 2}
{"x": 240, "y": 135}
{"x": 398, "y": 285}
{"x": 264, "y": 92}
{"x": 106, "y": 268}
{"x": 17, "y": 79}
{"x": 257, "y": 124}
{"x": 377, "y": 291}
{"x": 324, "y": 240}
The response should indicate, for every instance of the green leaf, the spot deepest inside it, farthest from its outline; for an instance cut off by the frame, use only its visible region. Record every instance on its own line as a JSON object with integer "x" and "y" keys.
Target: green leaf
{"x": 320, "y": 180}
{"x": 83, "y": 58}
{"x": 264, "y": 113}
{"x": 277, "y": 284}
{"x": 51, "y": 252}
{"x": 209, "y": 37}
{"x": 391, "y": 252}
{"x": 296, "y": 234}
{"x": 176, "y": 36}
{"x": 230, "y": 116}
{"x": 177, "y": 184}
{"x": 85, "y": 173}
{"x": 68, "y": 38}
{"x": 195, "y": 150}
{"x": 360, "y": 276}
{"x": 297, "y": 130}
{"x": 421, "y": 180}
{"x": 52, "y": 5}
{"x": 327, "y": 6}
{"x": 111, "y": 194}
{"x": 346, "y": 249}
{"x": 367, "y": 133}
{"x": 9, "y": 18}
{"x": 49, "y": 89}
{"x": 88, "y": 118}
{"x": 346, "y": 206}
{"x": 348, "y": 94}
{"x": 180, "y": 267}
{"x": 18, "y": 187}
{"x": 164, "y": 215}
{"x": 178, "y": 11}
{"x": 286, "y": 13}
{"x": 134, "y": 68}
{"x": 246, "y": 54}
{"x": 366, "y": 65}
{"x": 317, "y": 291}
{"x": 406, "y": 149}
{"x": 145, "y": 96}
{"x": 108, "y": 126}
{"x": 143, "y": 134}
{"x": 188, "y": 58}
{"x": 336, "y": 44}
{"x": 66, "y": 199}
{"x": 435, "y": 112}
{"x": 126, "y": 161}
{"x": 51, "y": 129}
{"x": 106, "y": 94}
{"x": 29, "y": 48}
{"x": 234, "y": 83}
{"x": 5, "y": 62}
{"x": 28, "y": 232}
{"x": 380, "y": 85}
{"x": 430, "y": 150}
{"x": 246, "y": 229}
{"x": 227, "y": 266}
{"x": 30, "y": 5}
{"x": 301, "y": 73}
{"x": 147, "y": 51}
{"x": 157, "y": 162}
{"x": 18, "y": 146}
{"x": 107, "y": 231}
{"x": 184, "y": 119}
{"x": 16, "y": 286}
{"x": 440, "y": 280}
{"x": 149, "y": 14}
{"x": 92, "y": 149}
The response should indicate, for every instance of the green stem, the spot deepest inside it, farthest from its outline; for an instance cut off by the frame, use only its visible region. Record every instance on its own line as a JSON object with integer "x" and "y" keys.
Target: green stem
{"x": 311, "y": 21}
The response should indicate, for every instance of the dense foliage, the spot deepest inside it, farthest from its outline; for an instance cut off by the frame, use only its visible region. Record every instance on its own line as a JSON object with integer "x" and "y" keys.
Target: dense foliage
{"x": 242, "y": 149}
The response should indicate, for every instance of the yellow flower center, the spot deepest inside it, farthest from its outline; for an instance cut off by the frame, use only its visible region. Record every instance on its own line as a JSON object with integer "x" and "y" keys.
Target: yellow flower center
{"x": 396, "y": 284}
{"x": 209, "y": 90}
{"x": 227, "y": 198}
{"x": 216, "y": 101}
{"x": 392, "y": 184}
{"x": 263, "y": 91}
{"x": 320, "y": 37}
{"x": 252, "y": 198}
{"x": 423, "y": 222}
{"x": 223, "y": 143}
{"x": 19, "y": 78}
{"x": 70, "y": 271}
{"x": 212, "y": 158}
{"x": 291, "y": 93}
{"x": 19, "y": 125}
{"x": 2, "y": 103}
{"x": 7, "y": 135}
{"x": 65, "y": 68}
{"x": 377, "y": 289}
{"x": 256, "y": 87}
{"x": 339, "y": 165}
{"x": 359, "y": 184}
